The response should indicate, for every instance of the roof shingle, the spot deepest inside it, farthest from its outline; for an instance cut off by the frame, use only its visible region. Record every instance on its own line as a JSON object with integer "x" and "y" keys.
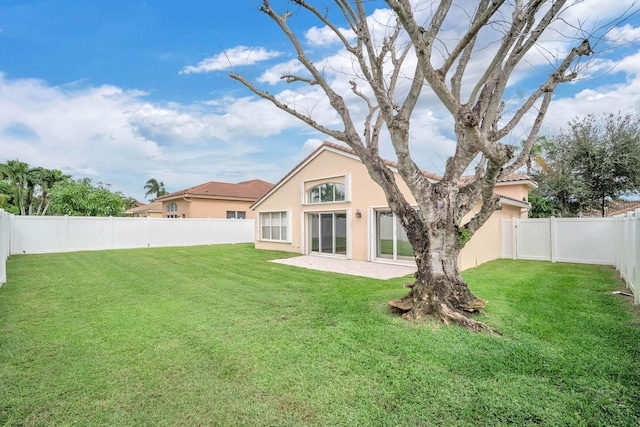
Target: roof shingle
{"x": 252, "y": 189}
{"x": 154, "y": 206}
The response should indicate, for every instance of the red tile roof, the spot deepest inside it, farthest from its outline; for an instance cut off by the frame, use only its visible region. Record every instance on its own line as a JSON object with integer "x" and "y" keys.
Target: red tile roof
{"x": 253, "y": 189}
{"x": 155, "y": 206}
{"x": 509, "y": 178}
{"x": 619, "y": 207}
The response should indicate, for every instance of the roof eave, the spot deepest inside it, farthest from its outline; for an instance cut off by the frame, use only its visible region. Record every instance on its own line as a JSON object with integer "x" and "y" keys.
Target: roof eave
{"x": 529, "y": 182}
{"x": 513, "y": 202}
{"x": 326, "y": 147}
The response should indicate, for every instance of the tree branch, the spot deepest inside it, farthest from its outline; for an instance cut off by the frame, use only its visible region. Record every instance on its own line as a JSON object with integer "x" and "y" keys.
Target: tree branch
{"x": 350, "y": 134}
{"x": 284, "y": 107}
{"x": 531, "y": 138}
{"x": 518, "y": 43}
{"x": 290, "y": 78}
{"x": 347, "y": 12}
{"x": 482, "y": 16}
{"x": 552, "y": 82}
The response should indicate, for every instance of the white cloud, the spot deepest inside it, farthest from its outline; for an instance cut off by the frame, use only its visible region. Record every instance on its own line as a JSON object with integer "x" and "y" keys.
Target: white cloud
{"x": 326, "y": 36}
{"x": 236, "y": 56}
{"x": 68, "y": 124}
{"x": 120, "y": 137}
{"x": 274, "y": 74}
{"x": 625, "y": 34}
{"x": 592, "y": 14}
{"x": 311, "y": 144}
{"x": 609, "y": 99}
{"x": 117, "y": 137}
{"x": 170, "y": 125}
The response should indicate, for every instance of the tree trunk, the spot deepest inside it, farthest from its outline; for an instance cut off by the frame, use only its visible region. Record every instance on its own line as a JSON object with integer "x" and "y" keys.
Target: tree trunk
{"x": 439, "y": 291}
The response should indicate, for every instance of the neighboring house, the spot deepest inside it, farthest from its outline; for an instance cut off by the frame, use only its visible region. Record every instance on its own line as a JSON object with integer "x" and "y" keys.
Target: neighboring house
{"x": 619, "y": 207}
{"x": 329, "y": 205}
{"x": 214, "y": 200}
{"x": 151, "y": 210}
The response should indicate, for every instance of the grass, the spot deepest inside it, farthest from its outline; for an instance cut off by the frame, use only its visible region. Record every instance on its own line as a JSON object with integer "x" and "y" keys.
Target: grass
{"x": 218, "y": 336}
{"x": 404, "y": 248}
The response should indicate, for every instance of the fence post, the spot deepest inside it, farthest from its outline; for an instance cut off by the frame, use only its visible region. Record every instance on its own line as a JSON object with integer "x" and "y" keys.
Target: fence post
{"x": 618, "y": 232}
{"x": 629, "y": 249}
{"x": 66, "y": 233}
{"x": 12, "y": 231}
{"x": 4, "y": 245}
{"x": 148, "y": 225}
{"x": 514, "y": 238}
{"x": 552, "y": 238}
{"x": 635, "y": 241}
{"x": 111, "y": 232}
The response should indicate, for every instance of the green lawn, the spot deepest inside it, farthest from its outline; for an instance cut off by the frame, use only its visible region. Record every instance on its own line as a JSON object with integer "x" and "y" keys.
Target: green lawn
{"x": 218, "y": 336}
{"x": 404, "y": 248}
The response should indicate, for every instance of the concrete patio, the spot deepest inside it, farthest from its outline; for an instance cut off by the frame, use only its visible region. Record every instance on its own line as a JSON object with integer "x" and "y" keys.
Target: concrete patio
{"x": 374, "y": 270}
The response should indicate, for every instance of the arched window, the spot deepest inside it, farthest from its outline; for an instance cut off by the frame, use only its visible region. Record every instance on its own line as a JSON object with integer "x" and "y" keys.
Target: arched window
{"x": 326, "y": 193}
{"x": 172, "y": 207}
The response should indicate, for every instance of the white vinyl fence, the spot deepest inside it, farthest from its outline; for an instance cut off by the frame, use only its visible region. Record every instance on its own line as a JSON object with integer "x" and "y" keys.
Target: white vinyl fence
{"x": 606, "y": 241}
{"x": 37, "y": 234}
{"x": 627, "y": 234}
{"x": 5, "y": 244}
{"x": 580, "y": 240}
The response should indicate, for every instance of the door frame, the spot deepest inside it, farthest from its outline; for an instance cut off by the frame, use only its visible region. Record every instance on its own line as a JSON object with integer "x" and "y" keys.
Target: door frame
{"x": 305, "y": 235}
{"x": 373, "y": 238}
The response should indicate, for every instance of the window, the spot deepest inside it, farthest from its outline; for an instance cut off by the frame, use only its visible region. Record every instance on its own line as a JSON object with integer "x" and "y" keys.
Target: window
{"x": 327, "y": 193}
{"x": 172, "y": 207}
{"x": 236, "y": 215}
{"x": 274, "y": 225}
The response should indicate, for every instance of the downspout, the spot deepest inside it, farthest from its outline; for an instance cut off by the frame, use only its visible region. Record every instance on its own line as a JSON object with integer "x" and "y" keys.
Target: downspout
{"x": 184, "y": 197}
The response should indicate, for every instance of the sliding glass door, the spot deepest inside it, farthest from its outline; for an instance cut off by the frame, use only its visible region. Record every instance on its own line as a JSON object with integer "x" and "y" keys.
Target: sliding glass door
{"x": 391, "y": 239}
{"x": 328, "y": 232}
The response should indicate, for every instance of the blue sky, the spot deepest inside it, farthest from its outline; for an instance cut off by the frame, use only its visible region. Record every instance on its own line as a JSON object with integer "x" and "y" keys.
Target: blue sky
{"x": 125, "y": 90}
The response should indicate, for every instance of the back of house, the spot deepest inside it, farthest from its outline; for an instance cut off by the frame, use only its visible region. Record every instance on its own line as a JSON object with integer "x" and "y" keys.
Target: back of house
{"x": 328, "y": 205}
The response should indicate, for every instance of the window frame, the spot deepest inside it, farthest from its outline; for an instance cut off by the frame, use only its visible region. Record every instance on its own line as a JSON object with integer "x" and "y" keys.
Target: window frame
{"x": 398, "y": 236}
{"x": 307, "y": 186}
{"x": 284, "y": 224}
{"x": 237, "y": 214}
{"x": 172, "y": 207}
{"x": 319, "y": 196}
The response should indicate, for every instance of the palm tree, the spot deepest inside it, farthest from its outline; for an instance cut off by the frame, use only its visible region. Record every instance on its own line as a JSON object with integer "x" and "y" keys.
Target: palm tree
{"x": 16, "y": 173}
{"x": 35, "y": 178}
{"x": 154, "y": 187}
{"x": 50, "y": 178}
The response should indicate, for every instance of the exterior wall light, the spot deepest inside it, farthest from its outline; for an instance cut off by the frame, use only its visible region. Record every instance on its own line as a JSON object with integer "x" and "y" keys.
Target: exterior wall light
{"x": 358, "y": 213}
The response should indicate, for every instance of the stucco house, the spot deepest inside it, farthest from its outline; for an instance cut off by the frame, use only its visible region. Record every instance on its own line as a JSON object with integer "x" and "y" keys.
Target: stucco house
{"x": 214, "y": 200}
{"x": 151, "y": 210}
{"x": 329, "y": 205}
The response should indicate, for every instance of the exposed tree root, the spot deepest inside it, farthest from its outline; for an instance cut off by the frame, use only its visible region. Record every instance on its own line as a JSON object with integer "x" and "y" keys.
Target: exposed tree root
{"x": 452, "y": 316}
{"x": 445, "y": 314}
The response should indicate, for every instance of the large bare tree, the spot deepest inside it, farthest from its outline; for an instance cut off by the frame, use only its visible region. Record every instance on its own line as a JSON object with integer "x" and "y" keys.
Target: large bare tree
{"x": 414, "y": 56}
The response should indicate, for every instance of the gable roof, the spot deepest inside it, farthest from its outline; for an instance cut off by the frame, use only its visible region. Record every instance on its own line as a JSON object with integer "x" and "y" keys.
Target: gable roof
{"x": 151, "y": 207}
{"x": 348, "y": 152}
{"x": 251, "y": 190}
